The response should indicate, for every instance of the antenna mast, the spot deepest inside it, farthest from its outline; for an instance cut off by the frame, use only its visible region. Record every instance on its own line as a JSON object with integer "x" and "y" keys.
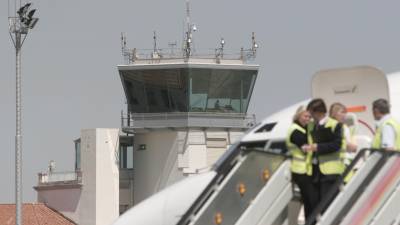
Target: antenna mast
{"x": 154, "y": 42}
{"x": 188, "y": 16}
{"x": 188, "y": 49}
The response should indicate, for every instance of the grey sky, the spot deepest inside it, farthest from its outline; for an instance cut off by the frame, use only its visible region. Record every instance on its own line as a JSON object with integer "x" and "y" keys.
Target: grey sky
{"x": 70, "y": 80}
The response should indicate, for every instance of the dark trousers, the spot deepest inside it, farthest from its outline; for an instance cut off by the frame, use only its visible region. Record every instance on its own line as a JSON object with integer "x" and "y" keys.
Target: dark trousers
{"x": 314, "y": 189}
{"x": 325, "y": 183}
{"x": 309, "y": 192}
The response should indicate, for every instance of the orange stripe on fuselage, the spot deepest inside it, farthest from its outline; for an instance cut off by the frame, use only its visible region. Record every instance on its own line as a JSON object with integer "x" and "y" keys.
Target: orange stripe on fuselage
{"x": 357, "y": 108}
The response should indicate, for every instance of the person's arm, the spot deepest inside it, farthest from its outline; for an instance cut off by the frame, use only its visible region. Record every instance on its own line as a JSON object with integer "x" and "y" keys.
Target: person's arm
{"x": 298, "y": 138}
{"x": 351, "y": 146}
{"x": 333, "y": 146}
{"x": 388, "y": 136}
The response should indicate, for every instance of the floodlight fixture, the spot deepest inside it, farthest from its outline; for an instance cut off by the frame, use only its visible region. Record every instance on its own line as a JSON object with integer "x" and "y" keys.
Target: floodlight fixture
{"x": 32, "y": 22}
{"x": 30, "y": 14}
{"x": 26, "y": 18}
{"x": 24, "y": 9}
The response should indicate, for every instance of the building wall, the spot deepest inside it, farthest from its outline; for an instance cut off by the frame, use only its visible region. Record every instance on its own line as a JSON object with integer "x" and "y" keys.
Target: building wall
{"x": 87, "y": 209}
{"x": 65, "y": 201}
{"x": 107, "y": 176}
{"x": 149, "y": 164}
{"x": 171, "y": 155}
{"x": 96, "y": 202}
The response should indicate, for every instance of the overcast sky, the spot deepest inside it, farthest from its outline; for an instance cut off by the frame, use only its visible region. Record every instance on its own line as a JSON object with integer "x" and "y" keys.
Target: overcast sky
{"x": 70, "y": 80}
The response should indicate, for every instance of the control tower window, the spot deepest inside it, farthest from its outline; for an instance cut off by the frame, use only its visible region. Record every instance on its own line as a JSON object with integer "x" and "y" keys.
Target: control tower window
{"x": 220, "y": 90}
{"x": 154, "y": 91}
{"x": 188, "y": 90}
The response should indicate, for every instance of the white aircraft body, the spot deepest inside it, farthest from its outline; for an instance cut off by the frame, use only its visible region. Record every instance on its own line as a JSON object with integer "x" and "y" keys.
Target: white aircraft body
{"x": 355, "y": 87}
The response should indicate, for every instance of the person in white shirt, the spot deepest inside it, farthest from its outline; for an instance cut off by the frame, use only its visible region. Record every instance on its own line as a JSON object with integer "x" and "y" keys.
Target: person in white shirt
{"x": 387, "y": 134}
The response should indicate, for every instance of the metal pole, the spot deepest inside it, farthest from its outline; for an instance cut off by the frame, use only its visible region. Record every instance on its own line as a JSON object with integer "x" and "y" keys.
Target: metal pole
{"x": 18, "y": 28}
{"x": 18, "y": 136}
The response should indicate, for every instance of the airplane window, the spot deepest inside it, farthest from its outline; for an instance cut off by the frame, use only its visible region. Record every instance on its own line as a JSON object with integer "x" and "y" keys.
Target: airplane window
{"x": 267, "y": 127}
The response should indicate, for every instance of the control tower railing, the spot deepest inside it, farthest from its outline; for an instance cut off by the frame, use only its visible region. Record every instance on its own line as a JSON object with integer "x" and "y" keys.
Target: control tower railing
{"x": 185, "y": 119}
{"x": 137, "y": 55}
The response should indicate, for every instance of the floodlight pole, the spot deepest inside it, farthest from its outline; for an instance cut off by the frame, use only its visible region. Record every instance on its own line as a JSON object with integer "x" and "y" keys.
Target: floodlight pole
{"x": 16, "y": 35}
{"x": 18, "y": 28}
{"x": 18, "y": 137}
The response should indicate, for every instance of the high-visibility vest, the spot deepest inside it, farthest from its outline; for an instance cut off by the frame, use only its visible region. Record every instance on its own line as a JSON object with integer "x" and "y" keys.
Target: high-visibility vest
{"x": 331, "y": 163}
{"x": 377, "y": 142}
{"x": 301, "y": 162}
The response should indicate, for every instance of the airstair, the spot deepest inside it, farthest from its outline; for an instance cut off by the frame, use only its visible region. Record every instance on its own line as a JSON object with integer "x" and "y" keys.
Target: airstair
{"x": 371, "y": 197}
{"x": 253, "y": 187}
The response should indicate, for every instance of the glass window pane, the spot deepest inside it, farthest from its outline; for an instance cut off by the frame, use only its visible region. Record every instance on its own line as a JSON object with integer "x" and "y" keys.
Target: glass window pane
{"x": 129, "y": 157}
{"x": 199, "y": 85}
{"x": 166, "y": 90}
{"x": 220, "y": 90}
{"x": 153, "y": 91}
{"x": 126, "y": 157}
{"x": 122, "y": 157}
{"x": 78, "y": 155}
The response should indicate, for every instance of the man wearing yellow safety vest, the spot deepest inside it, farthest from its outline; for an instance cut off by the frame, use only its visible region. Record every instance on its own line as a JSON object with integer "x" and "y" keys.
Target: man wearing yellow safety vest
{"x": 387, "y": 135}
{"x": 325, "y": 142}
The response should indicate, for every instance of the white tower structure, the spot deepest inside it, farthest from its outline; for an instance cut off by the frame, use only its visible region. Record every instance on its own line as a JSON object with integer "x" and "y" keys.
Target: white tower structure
{"x": 184, "y": 108}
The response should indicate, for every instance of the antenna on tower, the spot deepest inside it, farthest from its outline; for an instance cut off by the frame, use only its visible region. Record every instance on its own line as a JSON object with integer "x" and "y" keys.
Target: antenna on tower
{"x": 219, "y": 52}
{"x": 188, "y": 46}
{"x": 154, "y": 42}
{"x": 125, "y": 52}
{"x": 254, "y": 44}
{"x": 252, "y": 52}
{"x": 155, "y": 54}
{"x": 123, "y": 43}
{"x": 188, "y": 15}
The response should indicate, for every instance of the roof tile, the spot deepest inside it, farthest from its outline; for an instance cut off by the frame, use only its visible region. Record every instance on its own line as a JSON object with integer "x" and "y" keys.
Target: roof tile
{"x": 33, "y": 214}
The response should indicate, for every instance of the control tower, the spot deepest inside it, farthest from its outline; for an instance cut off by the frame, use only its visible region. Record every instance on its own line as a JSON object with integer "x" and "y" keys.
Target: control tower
{"x": 185, "y": 108}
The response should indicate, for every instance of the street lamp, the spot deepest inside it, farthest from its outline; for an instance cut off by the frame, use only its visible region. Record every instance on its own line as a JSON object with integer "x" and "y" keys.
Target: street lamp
{"x": 19, "y": 26}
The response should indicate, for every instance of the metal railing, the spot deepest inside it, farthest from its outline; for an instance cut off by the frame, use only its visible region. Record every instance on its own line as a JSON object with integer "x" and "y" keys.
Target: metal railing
{"x": 336, "y": 188}
{"x": 73, "y": 177}
{"x": 262, "y": 155}
{"x": 137, "y": 55}
{"x": 201, "y": 119}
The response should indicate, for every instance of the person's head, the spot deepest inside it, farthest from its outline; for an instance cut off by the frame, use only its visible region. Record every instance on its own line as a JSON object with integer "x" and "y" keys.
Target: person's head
{"x": 302, "y": 116}
{"x": 317, "y": 108}
{"x": 338, "y": 112}
{"x": 380, "y": 108}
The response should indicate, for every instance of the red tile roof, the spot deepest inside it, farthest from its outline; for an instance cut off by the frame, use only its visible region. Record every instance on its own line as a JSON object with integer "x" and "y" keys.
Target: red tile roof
{"x": 33, "y": 214}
